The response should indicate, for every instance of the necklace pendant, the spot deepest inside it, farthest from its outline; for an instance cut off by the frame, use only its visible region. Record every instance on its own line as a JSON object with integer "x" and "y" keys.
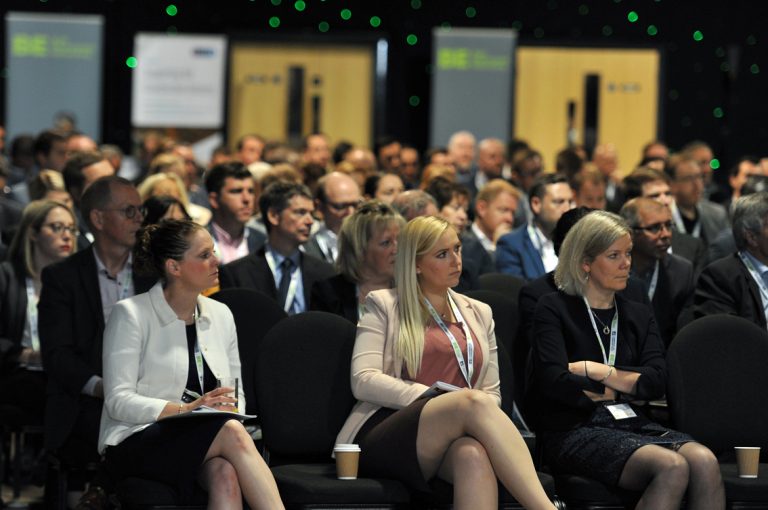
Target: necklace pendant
{"x": 606, "y": 330}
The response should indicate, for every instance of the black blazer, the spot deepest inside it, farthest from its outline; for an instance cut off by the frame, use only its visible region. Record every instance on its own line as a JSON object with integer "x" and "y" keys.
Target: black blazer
{"x": 690, "y": 248}
{"x": 474, "y": 262}
{"x": 252, "y": 272}
{"x": 13, "y": 313}
{"x": 562, "y": 333}
{"x": 725, "y": 286}
{"x": 336, "y": 295}
{"x": 71, "y": 326}
{"x": 673, "y": 296}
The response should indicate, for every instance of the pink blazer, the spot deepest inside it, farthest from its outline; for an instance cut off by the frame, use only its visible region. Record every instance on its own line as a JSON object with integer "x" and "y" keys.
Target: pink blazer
{"x": 376, "y": 375}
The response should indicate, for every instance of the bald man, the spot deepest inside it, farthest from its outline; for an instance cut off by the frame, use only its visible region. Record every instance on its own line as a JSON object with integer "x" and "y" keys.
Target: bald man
{"x": 491, "y": 156}
{"x": 337, "y": 196}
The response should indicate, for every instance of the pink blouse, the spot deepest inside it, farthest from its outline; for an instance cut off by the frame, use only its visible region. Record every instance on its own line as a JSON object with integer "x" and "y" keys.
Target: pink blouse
{"x": 438, "y": 362}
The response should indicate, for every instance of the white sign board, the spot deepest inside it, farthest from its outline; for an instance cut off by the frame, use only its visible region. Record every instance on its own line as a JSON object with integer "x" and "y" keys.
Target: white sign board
{"x": 178, "y": 81}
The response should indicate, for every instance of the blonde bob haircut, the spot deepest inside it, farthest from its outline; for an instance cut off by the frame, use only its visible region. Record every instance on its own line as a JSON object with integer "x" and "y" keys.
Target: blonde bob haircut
{"x": 417, "y": 238}
{"x": 21, "y": 253}
{"x": 147, "y": 187}
{"x": 356, "y": 233}
{"x": 588, "y": 238}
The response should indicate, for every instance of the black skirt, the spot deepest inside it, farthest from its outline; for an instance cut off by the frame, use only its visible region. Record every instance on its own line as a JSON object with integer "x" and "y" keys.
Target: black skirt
{"x": 169, "y": 451}
{"x": 600, "y": 447}
{"x": 388, "y": 445}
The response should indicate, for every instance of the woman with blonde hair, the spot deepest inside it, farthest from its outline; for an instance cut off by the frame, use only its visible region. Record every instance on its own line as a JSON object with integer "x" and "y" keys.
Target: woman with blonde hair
{"x": 410, "y": 338}
{"x": 170, "y": 184}
{"x": 49, "y": 185}
{"x": 594, "y": 351}
{"x": 366, "y": 262}
{"x": 47, "y": 234}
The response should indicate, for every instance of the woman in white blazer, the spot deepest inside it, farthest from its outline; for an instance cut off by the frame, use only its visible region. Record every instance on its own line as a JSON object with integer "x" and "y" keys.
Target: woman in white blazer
{"x": 163, "y": 353}
{"x": 411, "y": 337}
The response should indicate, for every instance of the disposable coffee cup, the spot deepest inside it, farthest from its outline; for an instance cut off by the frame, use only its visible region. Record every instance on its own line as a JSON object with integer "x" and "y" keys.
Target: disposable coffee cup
{"x": 748, "y": 460}
{"x": 347, "y": 459}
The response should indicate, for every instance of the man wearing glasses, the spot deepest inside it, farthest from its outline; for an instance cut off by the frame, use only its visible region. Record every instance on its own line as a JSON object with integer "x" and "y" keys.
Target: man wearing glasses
{"x": 77, "y": 297}
{"x": 337, "y": 196}
{"x": 691, "y": 213}
{"x": 668, "y": 278}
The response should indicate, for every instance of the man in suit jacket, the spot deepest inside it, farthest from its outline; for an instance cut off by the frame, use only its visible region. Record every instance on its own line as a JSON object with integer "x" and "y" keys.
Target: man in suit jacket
{"x": 338, "y": 195}
{"x": 495, "y": 206}
{"x": 691, "y": 213}
{"x": 528, "y": 252}
{"x": 232, "y": 197}
{"x": 736, "y": 284}
{"x": 76, "y": 299}
{"x": 668, "y": 278}
{"x": 279, "y": 269}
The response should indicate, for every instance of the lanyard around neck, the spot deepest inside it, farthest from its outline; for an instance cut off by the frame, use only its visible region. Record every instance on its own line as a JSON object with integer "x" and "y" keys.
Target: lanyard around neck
{"x": 467, "y": 368}
{"x": 32, "y": 299}
{"x": 654, "y": 281}
{"x": 198, "y": 356}
{"x": 611, "y": 358}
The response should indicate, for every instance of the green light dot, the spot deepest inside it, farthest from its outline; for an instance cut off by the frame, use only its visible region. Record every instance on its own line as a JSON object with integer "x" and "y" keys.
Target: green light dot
{"x": 607, "y": 30}
{"x": 171, "y": 10}
{"x": 445, "y": 25}
{"x": 411, "y": 39}
{"x": 375, "y": 21}
{"x": 717, "y": 113}
{"x": 698, "y": 36}
{"x": 517, "y": 25}
{"x": 720, "y": 52}
{"x": 674, "y": 95}
{"x": 414, "y": 100}
{"x": 471, "y": 12}
{"x": 632, "y": 16}
{"x": 276, "y": 2}
{"x": 583, "y": 10}
{"x": 131, "y": 62}
{"x": 754, "y": 69}
{"x": 300, "y": 5}
{"x": 415, "y": 4}
{"x": 345, "y": 14}
{"x": 714, "y": 164}
{"x": 323, "y": 26}
{"x": 751, "y": 40}
{"x": 652, "y": 30}
{"x": 274, "y": 22}
{"x": 538, "y": 32}
{"x": 725, "y": 67}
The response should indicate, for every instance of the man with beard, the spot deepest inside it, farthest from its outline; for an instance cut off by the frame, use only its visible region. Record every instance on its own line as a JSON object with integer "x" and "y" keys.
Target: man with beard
{"x": 668, "y": 278}
{"x": 528, "y": 252}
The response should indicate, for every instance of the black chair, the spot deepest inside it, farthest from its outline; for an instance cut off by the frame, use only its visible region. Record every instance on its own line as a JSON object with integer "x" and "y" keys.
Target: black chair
{"x": 717, "y": 390}
{"x": 255, "y": 314}
{"x": 15, "y": 423}
{"x": 501, "y": 282}
{"x": 303, "y": 386}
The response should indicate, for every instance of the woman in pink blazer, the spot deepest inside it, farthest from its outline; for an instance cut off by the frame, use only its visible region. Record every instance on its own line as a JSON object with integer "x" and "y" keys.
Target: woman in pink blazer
{"x": 412, "y": 337}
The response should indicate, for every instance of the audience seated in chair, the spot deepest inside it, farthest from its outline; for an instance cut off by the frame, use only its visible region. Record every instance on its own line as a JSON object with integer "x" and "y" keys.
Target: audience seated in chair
{"x": 578, "y": 386}
{"x": 280, "y": 269}
{"x": 366, "y": 261}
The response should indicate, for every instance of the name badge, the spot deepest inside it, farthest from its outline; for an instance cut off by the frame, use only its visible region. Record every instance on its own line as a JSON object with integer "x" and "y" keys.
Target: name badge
{"x": 621, "y": 411}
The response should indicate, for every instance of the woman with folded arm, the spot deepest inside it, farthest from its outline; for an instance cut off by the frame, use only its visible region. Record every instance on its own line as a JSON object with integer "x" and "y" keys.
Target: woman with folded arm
{"x": 163, "y": 353}
{"x": 593, "y": 351}
{"x": 411, "y": 337}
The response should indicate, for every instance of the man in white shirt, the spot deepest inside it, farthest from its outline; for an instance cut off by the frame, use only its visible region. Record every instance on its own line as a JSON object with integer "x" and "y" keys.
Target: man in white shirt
{"x": 337, "y": 196}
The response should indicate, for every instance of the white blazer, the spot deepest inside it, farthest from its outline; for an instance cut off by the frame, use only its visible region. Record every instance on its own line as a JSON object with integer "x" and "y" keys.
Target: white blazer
{"x": 146, "y": 359}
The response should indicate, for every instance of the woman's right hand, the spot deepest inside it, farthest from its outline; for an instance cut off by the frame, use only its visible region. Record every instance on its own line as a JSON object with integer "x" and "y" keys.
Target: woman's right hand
{"x": 216, "y": 399}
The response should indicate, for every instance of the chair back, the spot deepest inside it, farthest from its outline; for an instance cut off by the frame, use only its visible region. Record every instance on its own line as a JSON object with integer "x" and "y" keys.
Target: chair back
{"x": 302, "y": 382}
{"x": 717, "y": 385}
{"x": 503, "y": 283}
{"x": 255, "y": 313}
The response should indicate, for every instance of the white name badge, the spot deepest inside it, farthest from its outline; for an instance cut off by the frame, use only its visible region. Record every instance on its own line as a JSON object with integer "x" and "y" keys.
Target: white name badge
{"x": 621, "y": 411}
